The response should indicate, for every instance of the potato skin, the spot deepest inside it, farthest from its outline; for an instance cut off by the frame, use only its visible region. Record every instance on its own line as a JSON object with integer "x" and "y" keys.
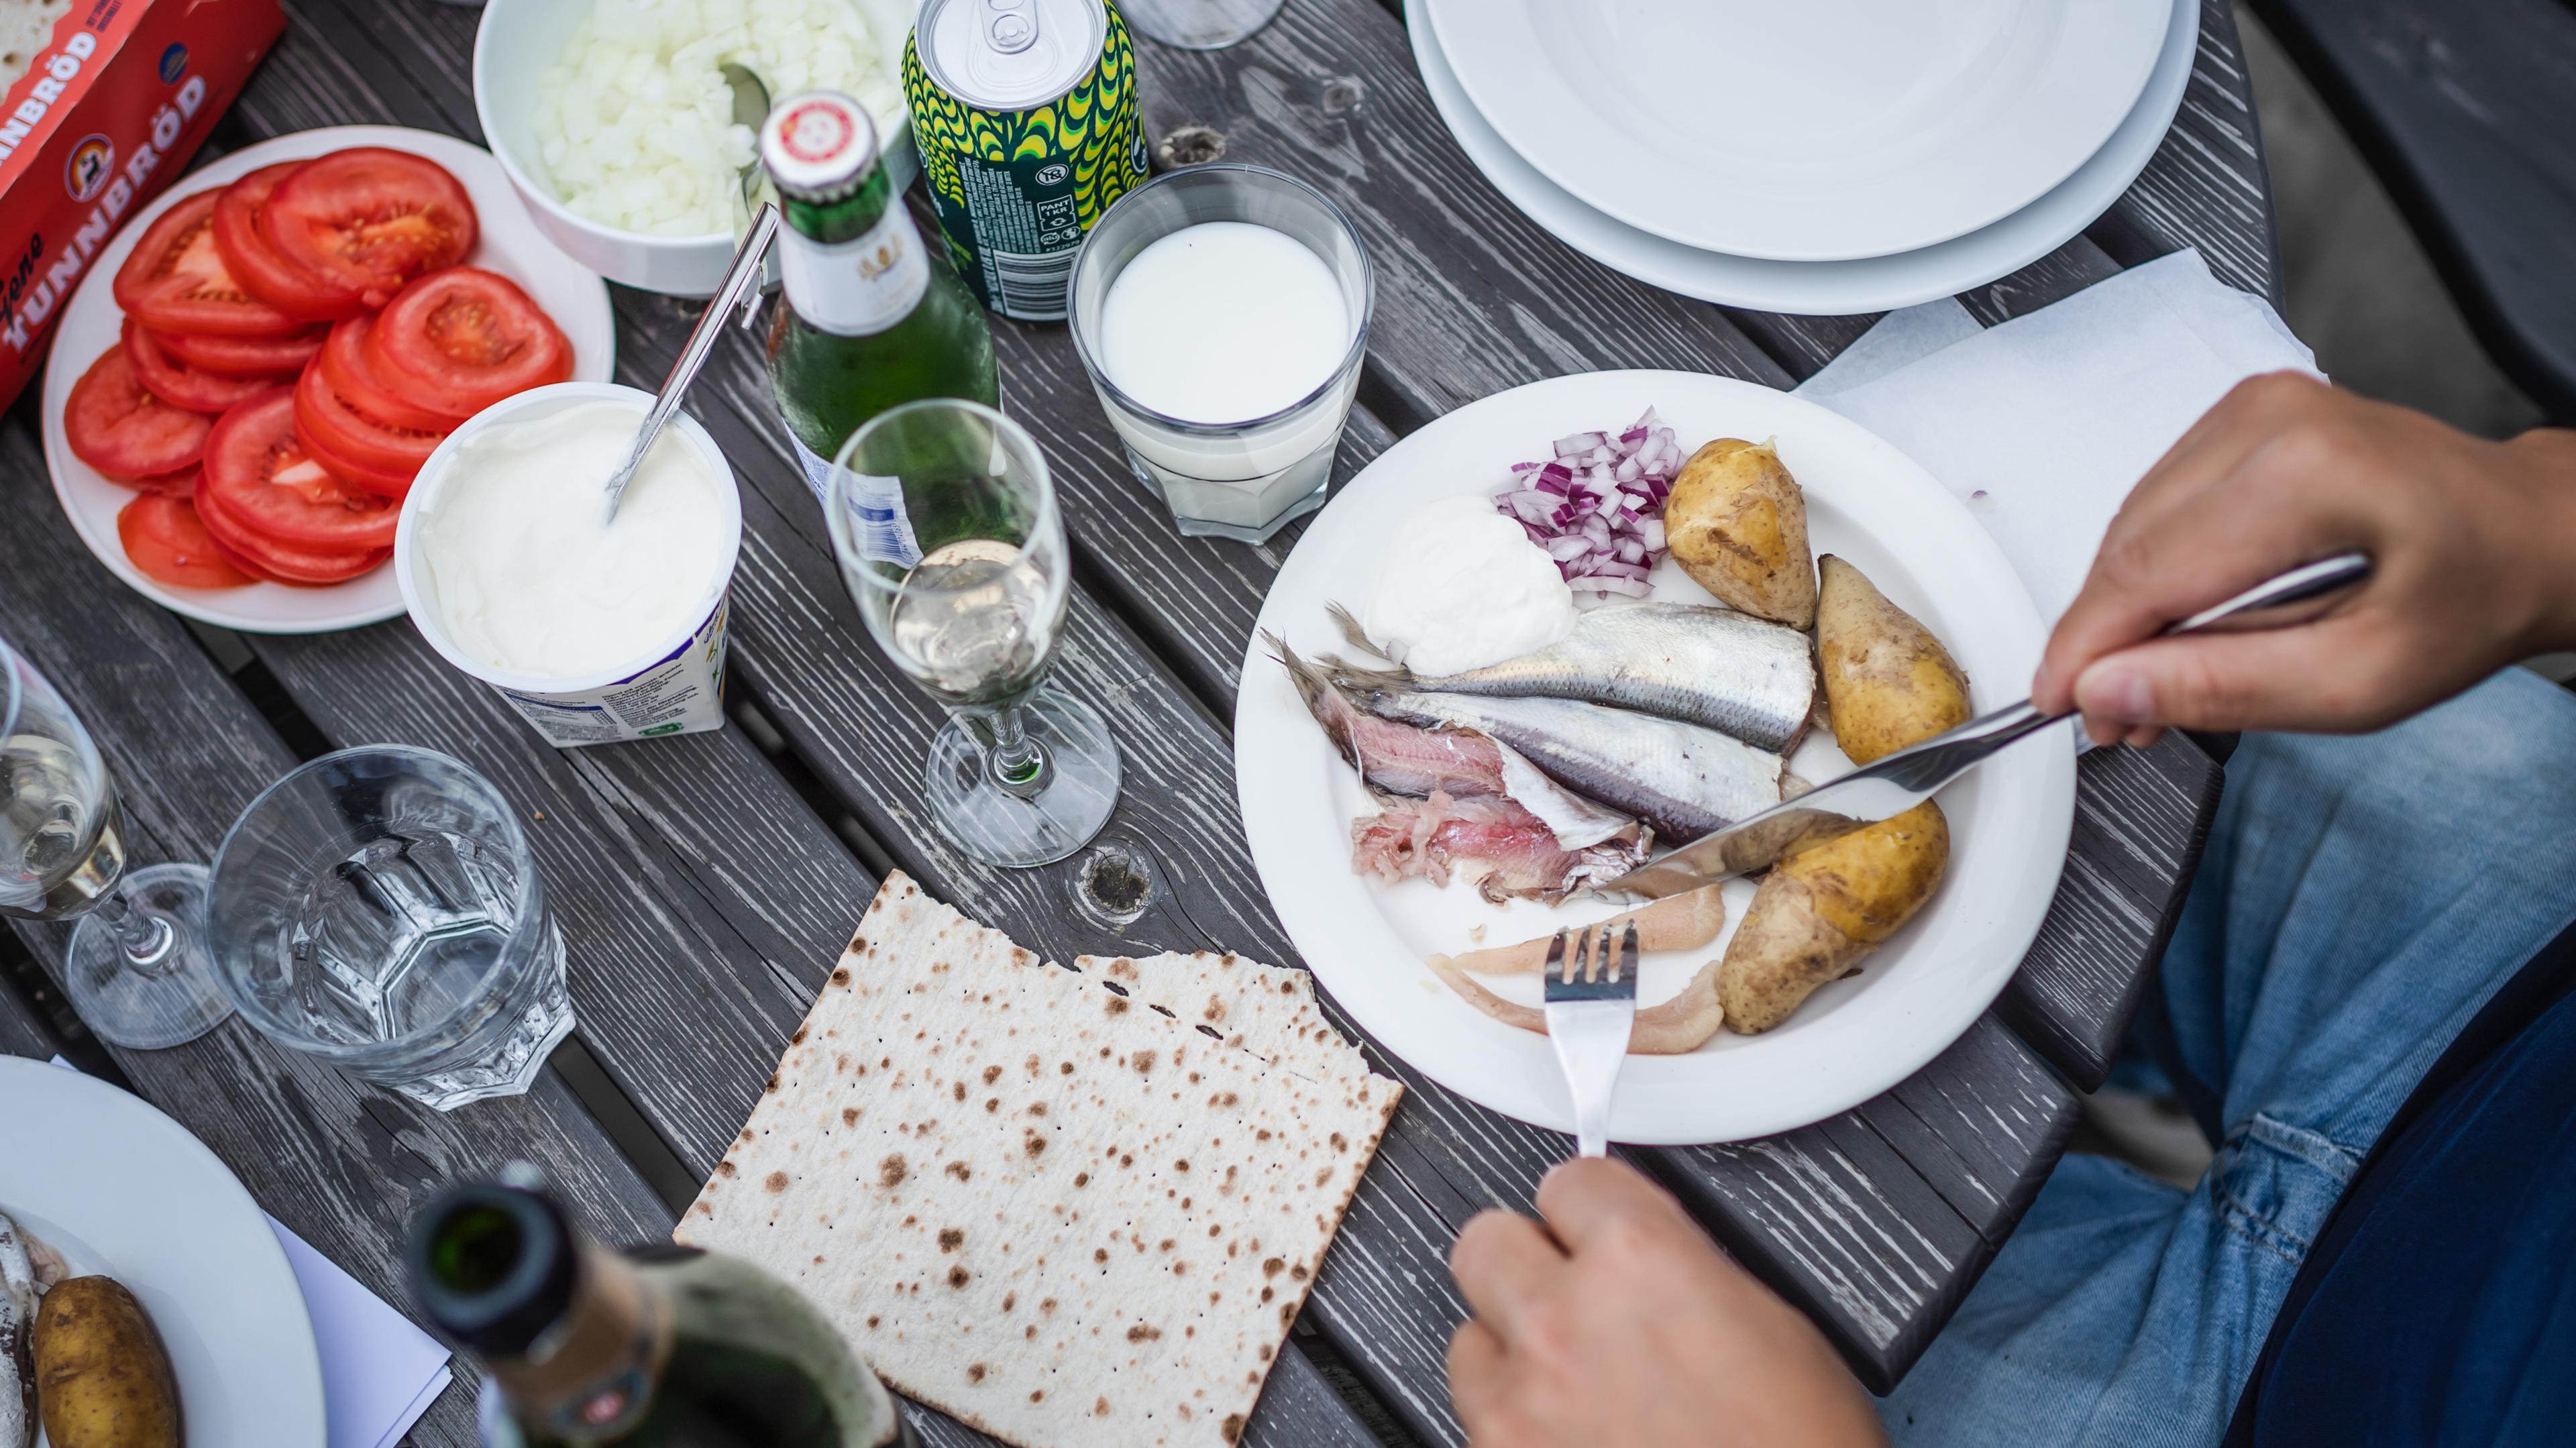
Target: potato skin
{"x": 102, "y": 1379}
{"x": 1817, "y": 913}
{"x": 1888, "y": 682}
{"x": 1737, "y": 524}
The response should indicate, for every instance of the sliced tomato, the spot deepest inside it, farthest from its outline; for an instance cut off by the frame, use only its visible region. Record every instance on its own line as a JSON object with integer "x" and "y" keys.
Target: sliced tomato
{"x": 179, "y": 384}
{"x": 324, "y": 417}
{"x": 345, "y": 367}
{"x": 460, "y": 340}
{"x": 273, "y": 279}
{"x": 259, "y": 476}
{"x": 271, "y": 358}
{"x": 181, "y": 484}
{"x": 125, "y": 432}
{"x": 176, "y": 281}
{"x": 280, "y": 562}
{"x": 369, "y": 219}
{"x": 389, "y": 483}
{"x": 165, "y": 539}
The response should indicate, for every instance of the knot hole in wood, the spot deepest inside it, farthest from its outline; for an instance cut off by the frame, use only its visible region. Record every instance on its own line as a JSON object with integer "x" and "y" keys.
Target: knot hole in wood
{"x": 1192, "y": 145}
{"x": 1114, "y": 884}
{"x": 1342, "y": 94}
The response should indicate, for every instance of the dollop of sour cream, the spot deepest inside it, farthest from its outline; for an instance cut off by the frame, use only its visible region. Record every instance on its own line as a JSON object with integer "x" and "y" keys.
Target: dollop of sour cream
{"x": 530, "y": 575}
{"x": 1463, "y": 587}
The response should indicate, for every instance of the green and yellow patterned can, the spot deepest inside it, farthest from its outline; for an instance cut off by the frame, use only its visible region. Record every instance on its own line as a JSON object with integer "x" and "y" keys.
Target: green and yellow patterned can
{"x": 1025, "y": 112}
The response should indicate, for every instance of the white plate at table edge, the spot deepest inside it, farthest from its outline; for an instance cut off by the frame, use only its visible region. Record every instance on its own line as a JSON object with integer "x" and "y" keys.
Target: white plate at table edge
{"x": 1822, "y": 288}
{"x": 1991, "y": 144}
{"x": 507, "y": 242}
{"x": 2010, "y": 821}
{"x": 183, "y": 1235}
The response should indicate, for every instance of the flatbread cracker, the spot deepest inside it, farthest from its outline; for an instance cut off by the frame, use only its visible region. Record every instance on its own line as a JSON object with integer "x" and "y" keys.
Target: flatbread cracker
{"x": 26, "y": 27}
{"x": 1057, "y": 1216}
{"x": 1269, "y": 1010}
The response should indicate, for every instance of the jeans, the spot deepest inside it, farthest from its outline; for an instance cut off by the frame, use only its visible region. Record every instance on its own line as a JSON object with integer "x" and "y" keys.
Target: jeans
{"x": 2360, "y": 898}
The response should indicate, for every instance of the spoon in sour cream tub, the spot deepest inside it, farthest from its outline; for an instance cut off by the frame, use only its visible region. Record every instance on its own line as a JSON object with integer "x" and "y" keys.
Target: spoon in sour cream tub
{"x": 741, "y": 288}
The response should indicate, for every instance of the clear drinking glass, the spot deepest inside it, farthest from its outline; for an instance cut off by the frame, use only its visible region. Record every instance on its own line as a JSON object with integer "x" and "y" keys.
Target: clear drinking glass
{"x": 380, "y": 909}
{"x": 1243, "y": 480}
{"x": 949, "y": 538}
{"x": 1199, "y": 24}
{"x": 136, "y": 969}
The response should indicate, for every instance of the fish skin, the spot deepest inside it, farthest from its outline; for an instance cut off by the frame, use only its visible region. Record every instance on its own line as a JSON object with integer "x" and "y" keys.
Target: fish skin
{"x": 18, "y": 1293}
{"x": 1682, "y": 779}
{"x": 1728, "y": 671}
{"x": 1404, "y": 759}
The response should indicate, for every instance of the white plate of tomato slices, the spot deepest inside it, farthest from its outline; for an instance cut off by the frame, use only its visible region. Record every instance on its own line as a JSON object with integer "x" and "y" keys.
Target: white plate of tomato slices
{"x": 365, "y": 339}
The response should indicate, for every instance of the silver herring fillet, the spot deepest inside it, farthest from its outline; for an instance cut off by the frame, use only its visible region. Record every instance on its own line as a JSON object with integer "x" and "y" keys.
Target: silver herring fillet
{"x": 1730, "y": 671}
{"x": 1681, "y": 778}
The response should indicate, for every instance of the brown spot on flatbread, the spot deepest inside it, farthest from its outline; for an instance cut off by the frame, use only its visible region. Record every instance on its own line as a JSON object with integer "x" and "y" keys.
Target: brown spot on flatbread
{"x": 1287, "y": 1313}
{"x": 959, "y": 1277}
{"x": 1144, "y": 1061}
{"x": 1048, "y": 1305}
{"x": 1037, "y": 1394}
{"x": 706, "y": 1209}
{"x": 890, "y": 1172}
{"x": 724, "y": 1168}
{"x": 960, "y": 1170}
{"x": 1034, "y": 1145}
{"x": 1100, "y": 1407}
{"x": 1142, "y": 1333}
{"x": 992, "y": 1104}
{"x": 1323, "y": 1176}
{"x": 1010, "y": 1300}
{"x": 798, "y": 1038}
{"x": 1164, "y": 1245}
{"x": 1265, "y": 1352}
{"x": 1099, "y": 1254}
{"x": 849, "y": 1116}
{"x": 1117, "y": 1005}
{"x": 872, "y": 1319}
{"x": 1082, "y": 1178}
{"x": 994, "y": 1073}
{"x": 1037, "y": 1108}
{"x": 1031, "y": 1334}
{"x": 974, "y": 1372}
{"x": 1272, "y": 1267}
{"x": 1181, "y": 1165}
{"x": 1340, "y": 1142}
{"x": 776, "y": 1181}
{"x": 1226, "y": 1098}
{"x": 1066, "y": 1070}
{"x": 1232, "y": 1427}
{"x": 772, "y": 1086}
{"x": 958, "y": 1090}
{"x": 1298, "y": 1272}
{"x": 841, "y": 976}
{"x": 1267, "y": 1294}
{"x": 950, "y": 1239}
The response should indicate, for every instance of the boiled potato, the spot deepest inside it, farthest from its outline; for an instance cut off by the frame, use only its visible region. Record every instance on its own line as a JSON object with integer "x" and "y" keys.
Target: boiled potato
{"x": 1888, "y": 682}
{"x": 1737, "y": 524}
{"x": 1817, "y": 913}
{"x": 102, "y": 1380}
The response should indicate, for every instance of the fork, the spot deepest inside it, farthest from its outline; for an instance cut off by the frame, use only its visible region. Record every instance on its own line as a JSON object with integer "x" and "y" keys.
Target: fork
{"x": 1591, "y": 1006}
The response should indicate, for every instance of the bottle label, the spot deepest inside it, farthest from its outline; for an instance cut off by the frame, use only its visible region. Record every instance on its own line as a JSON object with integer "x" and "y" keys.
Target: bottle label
{"x": 877, "y": 514}
{"x": 856, "y": 288}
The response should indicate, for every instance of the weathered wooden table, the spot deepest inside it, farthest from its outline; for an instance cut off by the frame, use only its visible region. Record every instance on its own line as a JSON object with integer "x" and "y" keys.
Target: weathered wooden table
{"x": 705, "y": 884}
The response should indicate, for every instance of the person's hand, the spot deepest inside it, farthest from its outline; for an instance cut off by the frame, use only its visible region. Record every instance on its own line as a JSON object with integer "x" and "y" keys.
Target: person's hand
{"x": 1618, "y": 1325}
{"x": 2473, "y": 542}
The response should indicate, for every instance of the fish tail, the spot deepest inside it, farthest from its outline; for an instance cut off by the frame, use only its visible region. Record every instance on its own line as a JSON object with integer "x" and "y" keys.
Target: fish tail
{"x": 1351, "y": 630}
{"x": 1324, "y": 701}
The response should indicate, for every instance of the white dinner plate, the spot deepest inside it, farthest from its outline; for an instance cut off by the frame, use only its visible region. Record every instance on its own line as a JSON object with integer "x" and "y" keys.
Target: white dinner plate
{"x": 507, "y": 242}
{"x": 1855, "y": 1038}
{"x": 120, "y": 1189}
{"x": 1822, "y": 288}
{"x": 1814, "y": 131}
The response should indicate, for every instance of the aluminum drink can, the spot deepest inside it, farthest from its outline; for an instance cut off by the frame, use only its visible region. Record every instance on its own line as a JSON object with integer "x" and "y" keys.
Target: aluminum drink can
{"x": 1025, "y": 113}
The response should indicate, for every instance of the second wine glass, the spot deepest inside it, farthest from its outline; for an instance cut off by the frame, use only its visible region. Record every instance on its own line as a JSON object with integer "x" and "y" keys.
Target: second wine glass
{"x": 946, "y": 526}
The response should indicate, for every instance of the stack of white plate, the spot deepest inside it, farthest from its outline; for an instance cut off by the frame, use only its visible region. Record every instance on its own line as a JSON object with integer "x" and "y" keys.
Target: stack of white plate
{"x": 1820, "y": 157}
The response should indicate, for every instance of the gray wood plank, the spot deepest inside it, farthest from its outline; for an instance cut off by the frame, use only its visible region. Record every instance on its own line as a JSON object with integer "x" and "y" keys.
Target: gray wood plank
{"x": 23, "y": 1032}
{"x": 2208, "y": 185}
{"x": 341, "y": 1163}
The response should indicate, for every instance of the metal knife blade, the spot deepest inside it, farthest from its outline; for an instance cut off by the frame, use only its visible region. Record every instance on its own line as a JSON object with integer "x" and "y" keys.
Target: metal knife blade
{"x": 1899, "y": 782}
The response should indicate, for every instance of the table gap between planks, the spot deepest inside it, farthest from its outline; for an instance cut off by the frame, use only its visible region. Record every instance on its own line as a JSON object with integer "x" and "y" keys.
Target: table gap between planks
{"x": 705, "y": 892}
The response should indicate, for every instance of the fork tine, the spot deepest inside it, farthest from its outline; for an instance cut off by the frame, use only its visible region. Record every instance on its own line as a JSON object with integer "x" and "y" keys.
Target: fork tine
{"x": 1628, "y": 949}
{"x": 1555, "y": 955}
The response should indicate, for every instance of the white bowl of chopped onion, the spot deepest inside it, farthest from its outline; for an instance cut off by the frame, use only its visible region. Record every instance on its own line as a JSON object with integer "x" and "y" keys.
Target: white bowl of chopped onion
{"x": 615, "y": 124}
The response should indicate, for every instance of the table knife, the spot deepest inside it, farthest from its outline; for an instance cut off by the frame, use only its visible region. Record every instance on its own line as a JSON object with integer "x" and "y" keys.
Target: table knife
{"x": 1899, "y": 782}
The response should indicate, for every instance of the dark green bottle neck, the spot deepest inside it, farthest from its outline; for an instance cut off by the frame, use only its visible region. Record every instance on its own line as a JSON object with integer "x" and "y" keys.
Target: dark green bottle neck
{"x": 845, "y": 219}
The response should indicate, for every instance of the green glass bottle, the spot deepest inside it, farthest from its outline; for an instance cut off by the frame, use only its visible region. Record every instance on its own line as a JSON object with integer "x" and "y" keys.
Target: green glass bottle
{"x": 873, "y": 318}
{"x": 664, "y": 1347}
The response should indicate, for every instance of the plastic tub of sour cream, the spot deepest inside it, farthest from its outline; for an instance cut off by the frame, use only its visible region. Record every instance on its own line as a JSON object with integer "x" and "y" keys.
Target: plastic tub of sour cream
{"x": 596, "y": 632}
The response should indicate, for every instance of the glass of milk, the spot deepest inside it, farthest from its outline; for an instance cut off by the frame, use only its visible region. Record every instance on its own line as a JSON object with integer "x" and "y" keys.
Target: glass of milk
{"x": 1222, "y": 312}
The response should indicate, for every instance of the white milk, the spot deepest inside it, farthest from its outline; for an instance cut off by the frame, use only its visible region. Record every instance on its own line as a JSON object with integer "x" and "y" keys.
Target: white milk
{"x": 1223, "y": 322}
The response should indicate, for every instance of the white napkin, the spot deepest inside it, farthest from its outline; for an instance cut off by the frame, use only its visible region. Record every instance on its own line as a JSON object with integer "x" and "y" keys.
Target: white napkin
{"x": 2043, "y": 424}
{"x": 379, "y": 1372}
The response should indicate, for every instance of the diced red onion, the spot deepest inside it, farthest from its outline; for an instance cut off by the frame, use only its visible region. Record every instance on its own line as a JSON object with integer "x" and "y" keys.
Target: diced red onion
{"x": 1597, "y": 505}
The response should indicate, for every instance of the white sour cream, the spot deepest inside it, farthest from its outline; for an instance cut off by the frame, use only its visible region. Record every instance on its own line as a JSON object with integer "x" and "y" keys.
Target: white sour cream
{"x": 1464, "y": 587}
{"x": 531, "y": 577}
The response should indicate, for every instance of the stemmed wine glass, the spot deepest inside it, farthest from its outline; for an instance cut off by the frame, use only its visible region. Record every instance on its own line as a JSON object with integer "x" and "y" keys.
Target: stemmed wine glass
{"x": 946, "y": 526}
{"x": 137, "y": 969}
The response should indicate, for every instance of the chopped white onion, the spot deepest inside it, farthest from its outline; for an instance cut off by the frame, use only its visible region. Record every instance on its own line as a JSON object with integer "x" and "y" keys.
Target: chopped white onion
{"x": 1597, "y": 507}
